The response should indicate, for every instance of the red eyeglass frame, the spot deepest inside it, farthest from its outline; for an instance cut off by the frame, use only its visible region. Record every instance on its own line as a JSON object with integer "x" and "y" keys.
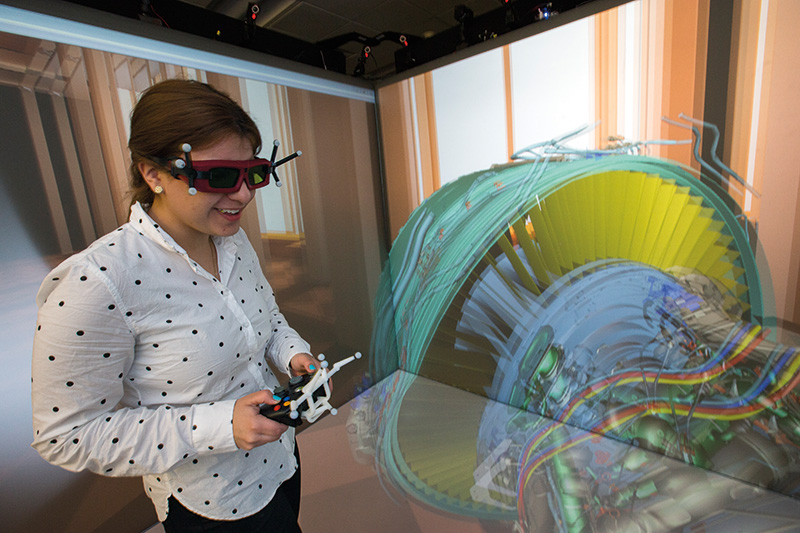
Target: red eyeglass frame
{"x": 200, "y": 175}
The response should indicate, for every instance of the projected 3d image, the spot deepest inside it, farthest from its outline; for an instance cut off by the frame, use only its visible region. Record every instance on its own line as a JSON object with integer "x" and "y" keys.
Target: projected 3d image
{"x": 569, "y": 254}
{"x": 616, "y": 298}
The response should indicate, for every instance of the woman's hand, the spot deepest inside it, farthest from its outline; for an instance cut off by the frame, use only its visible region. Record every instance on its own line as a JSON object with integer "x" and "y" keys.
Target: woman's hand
{"x": 250, "y": 428}
{"x": 303, "y": 363}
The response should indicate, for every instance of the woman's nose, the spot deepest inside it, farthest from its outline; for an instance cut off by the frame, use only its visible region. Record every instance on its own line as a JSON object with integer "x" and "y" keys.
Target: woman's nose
{"x": 243, "y": 195}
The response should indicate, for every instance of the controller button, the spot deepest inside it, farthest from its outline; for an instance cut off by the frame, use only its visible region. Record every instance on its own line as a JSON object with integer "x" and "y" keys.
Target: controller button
{"x": 276, "y": 408}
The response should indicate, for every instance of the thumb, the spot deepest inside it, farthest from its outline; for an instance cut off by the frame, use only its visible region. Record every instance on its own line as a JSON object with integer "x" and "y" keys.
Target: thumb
{"x": 260, "y": 397}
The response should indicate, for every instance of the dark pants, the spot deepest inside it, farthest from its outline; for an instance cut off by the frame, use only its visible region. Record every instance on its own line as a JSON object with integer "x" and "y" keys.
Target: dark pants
{"x": 279, "y": 516}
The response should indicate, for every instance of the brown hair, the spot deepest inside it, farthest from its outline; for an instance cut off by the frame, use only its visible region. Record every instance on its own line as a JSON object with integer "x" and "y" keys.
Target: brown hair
{"x": 177, "y": 111}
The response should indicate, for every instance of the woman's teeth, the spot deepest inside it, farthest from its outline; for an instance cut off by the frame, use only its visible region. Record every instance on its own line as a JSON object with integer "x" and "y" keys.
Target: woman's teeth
{"x": 229, "y": 211}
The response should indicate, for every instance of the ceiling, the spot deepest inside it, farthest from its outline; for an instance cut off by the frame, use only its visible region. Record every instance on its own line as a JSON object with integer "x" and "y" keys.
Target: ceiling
{"x": 313, "y": 21}
{"x": 371, "y": 39}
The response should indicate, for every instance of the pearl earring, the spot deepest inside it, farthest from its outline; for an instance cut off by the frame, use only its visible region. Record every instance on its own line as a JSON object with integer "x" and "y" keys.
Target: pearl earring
{"x": 158, "y": 189}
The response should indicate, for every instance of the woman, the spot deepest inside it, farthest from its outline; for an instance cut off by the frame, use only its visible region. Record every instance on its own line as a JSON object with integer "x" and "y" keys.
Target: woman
{"x": 149, "y": 356}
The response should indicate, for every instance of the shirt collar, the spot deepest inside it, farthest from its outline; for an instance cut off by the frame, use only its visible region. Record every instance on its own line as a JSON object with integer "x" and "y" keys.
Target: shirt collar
{"x": 148, "y": 227}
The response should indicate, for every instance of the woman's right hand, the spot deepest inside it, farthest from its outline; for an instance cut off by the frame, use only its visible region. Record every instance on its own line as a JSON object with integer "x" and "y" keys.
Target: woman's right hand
{"x": 250, "y": 428}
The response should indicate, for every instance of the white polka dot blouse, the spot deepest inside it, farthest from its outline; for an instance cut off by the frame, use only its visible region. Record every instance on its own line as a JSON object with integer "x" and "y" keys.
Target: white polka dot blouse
{"x": 139, "y": 357}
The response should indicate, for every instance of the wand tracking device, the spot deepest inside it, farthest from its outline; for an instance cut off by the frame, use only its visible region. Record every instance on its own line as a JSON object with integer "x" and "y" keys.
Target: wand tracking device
{"x": 307, "y": 396}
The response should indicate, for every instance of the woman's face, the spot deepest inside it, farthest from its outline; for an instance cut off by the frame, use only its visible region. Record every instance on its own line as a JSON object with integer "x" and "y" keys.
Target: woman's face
{"x": 191, "y": 218}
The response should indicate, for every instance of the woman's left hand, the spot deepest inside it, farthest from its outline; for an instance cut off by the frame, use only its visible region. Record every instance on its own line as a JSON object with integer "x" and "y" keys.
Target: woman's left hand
{"x": 303, "y": 363}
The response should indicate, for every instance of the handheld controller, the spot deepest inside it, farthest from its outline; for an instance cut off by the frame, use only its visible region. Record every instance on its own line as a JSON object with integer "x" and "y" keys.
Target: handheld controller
{"x": 306, "y": 396}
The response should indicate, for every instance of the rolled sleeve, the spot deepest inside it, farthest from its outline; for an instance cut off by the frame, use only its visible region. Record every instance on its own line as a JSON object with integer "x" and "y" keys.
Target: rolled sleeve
{"x": 212, "y": 427}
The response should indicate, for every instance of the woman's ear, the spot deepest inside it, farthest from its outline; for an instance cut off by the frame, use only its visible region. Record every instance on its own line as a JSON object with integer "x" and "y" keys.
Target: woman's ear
{"x": 151, "y": 173}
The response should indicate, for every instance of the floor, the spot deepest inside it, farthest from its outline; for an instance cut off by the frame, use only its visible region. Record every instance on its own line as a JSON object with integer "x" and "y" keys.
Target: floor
{"x": 442, "y": 462}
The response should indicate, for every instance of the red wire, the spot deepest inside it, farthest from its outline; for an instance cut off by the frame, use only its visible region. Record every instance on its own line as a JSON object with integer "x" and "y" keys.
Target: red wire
{"x": 159, "y": 16}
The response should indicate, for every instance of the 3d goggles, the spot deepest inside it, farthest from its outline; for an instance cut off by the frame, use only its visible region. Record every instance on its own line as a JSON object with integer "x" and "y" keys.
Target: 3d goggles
{"x": 223, "y": 176}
